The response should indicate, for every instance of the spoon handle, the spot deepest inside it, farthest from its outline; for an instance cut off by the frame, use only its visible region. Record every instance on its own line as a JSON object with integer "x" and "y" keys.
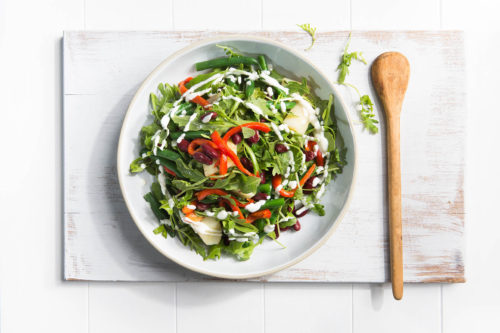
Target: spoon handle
{"x": 394, "y": 192}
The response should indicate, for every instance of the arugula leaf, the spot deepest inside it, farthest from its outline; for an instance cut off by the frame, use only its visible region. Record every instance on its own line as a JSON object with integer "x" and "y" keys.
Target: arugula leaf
{"x": 137, "y": 165}
{"x": 214, "y": 252}
{"x": 346, "y": 59}
{"x": 242, "y": 251}
{"x": 155, "y": 206}
{"x": 326, "y": 113}
{"x": 319, "y": 209}
{"x": 238, "y": 182}
{"x": 367, "y": 115}
{"x": 190, "y": 238}
{"x": 161, "y": 230}
{"x": 298, "y": 87}
{"x": 247, "y": 132}
{"x": 181, "y": 184}
{"x": 311, "y": 31}
{"x": 331, "y": 141}
{"x": 187, "y": 172}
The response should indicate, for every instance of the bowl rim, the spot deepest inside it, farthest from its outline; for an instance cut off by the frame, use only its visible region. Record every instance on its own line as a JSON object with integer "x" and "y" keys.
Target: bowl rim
{"x": 148, "y": 234}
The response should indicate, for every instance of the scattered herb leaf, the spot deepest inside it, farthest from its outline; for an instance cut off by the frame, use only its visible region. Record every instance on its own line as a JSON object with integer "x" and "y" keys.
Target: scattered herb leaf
{"x": 311, "y": 31}
{"x": 366, "y": 114}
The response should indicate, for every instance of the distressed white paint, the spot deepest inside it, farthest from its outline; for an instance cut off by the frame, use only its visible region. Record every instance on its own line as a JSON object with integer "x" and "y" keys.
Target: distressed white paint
{"x": 101, "y": 240}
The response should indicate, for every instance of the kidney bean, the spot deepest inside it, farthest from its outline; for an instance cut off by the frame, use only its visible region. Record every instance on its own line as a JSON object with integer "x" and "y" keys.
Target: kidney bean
{"x": 276, "y": 231}
{"x": 260, "y": 196}
{"x": 210, "y": 151}
{"x": 296, "y": 226}
{"x": 254, "y": 138}
{"x": 183, "y": 145}
{"x": 214, "y": 116}
{"x": 280, "y": 148}
{"x": 237, "y": 138}
{"x": 284, "y": 229}
{"x": 301, "y": 214}
{"x": 309, "y": 155}
{"x": 246, "y": 163}
{"x": 262, "y": 178}
{"x": 202, "y": 158}
{"x": 202, "y": 206}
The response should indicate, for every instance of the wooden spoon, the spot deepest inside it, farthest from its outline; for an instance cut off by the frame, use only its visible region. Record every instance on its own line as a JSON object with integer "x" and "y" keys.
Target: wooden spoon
{"x": 390, "y": 75}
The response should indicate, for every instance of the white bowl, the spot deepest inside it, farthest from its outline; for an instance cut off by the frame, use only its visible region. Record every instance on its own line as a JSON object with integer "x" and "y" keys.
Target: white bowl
{"x": 269, "y": 257}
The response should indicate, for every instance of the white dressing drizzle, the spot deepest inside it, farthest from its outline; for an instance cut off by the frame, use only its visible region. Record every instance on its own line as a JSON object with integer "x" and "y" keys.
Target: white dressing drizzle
{"x": 179, "y": 139}
{"x": 269, "y": 228}
{"x": 193, "y": 116}
{"x": 255, "y": 206}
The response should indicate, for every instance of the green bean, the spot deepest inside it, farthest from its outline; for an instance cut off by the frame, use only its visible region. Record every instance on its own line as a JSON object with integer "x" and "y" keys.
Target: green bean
{"x": 273, "y": 204}
{"x": 249, "y": 88}
{"x": 168, "y": 154}
{"x": 262, "y": 62}
{"x": 226, "y": 62}
{"x": 264, "y": 188}
{"x": 189, "y": 134}
{"x": 289, "y": 105}
{"x": 155, "y": 206}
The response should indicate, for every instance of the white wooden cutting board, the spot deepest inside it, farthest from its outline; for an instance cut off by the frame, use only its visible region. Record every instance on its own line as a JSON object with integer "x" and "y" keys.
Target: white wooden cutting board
{"x": 102, "y": 71}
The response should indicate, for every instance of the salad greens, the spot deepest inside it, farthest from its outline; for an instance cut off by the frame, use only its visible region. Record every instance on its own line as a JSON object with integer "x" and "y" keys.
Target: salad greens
{"x": 311, "y": 31}
{"x": 238, "y": 153}
{"x": 366, "y": 112}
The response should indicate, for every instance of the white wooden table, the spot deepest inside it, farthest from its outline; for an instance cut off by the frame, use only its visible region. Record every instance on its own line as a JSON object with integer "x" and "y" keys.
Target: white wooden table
{"x": 33, "y": 297}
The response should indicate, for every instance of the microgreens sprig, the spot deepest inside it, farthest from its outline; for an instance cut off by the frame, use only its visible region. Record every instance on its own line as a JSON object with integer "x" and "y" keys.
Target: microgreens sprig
{"x": 366, "y": 112}
{"x": 311, "y": 31}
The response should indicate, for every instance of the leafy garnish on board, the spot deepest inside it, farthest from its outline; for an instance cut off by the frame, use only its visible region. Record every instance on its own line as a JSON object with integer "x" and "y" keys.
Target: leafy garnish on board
{"x": 311, "y": 31}
{"x": 343, "y": 67}
{"x": 366, "y": 112}
{"x": 367, "y": 115}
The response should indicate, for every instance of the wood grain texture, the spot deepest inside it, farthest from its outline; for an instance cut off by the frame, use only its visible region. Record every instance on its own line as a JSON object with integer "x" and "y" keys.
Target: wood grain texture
{"x": 102, "y": 70}
{"x": 390, "y": 74}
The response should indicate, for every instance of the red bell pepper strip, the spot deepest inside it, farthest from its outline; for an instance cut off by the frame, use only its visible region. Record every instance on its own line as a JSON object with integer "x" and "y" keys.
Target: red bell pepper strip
{"x": 167, "y": 170}
{"x": 231, "y": 154}
{"x": 261, "y": 214}
{"x": 205, "y": 193}
{"x": 284, "y": 193}
{"x": 255, "y": 126}
{"x": 288, "y": 194}
{"x": 223, "y": 164}
{"x": 319, "y": 158}
{"x": 235, "y": 208}
{"x": 198, "y": 99}
{"x": 307, "y": 175}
